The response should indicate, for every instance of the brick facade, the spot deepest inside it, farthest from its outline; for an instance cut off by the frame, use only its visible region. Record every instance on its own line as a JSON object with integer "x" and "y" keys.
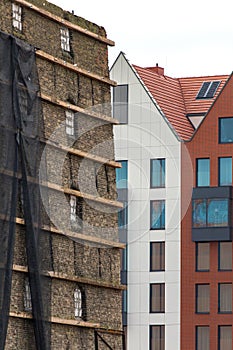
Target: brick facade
{"x": 94, "y": 268}
{"x": 204, "y": 144}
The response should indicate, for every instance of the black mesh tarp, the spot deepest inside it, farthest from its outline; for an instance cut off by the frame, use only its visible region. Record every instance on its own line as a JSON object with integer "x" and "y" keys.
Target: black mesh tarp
{"x": 21, "y": 128}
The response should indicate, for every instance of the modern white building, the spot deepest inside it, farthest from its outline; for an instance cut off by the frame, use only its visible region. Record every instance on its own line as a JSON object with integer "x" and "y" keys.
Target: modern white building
{"x": 150, "y": 150}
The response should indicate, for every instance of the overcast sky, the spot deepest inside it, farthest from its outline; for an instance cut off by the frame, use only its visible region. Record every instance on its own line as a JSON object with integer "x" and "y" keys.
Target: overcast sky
{"x": 187, "y": 38}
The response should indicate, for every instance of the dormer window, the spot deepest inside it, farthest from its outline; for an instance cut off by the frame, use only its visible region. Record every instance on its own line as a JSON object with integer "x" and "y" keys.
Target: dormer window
{"x": 65, "y": 39}
{"x": 17, "y": 16}
{"x": 208, "y": 89}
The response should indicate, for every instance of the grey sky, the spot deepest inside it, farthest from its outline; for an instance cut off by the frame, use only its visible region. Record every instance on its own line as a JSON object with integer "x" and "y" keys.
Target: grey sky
{"x": 186, "y": 38}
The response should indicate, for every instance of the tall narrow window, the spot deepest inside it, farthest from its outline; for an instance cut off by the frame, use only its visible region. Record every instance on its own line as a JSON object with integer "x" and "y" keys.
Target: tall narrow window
{"x": 157, "y": 215}
{"x": 122, "y": 175}
{"x": 157, "y": 256}
{"x": 72, "y": 208}
{"x": 225, "y": 256}
{"x": 202, "y": 256}
{"x": 123, "y": 216}
{"x": 202, "y": 298}
{"x": 203, "y": 172}
{"x": 157, "y": 337}
{"x": 157, "y": 297}
{"x": 225, "y": 297}
{"x": 157, "y": 172}
{"x": 225, "y": 337}
{"x": 78, "y": 311}
{"x": 17, "y": 16}
{"x": 225, "y": 171}
{"x": 225, "y": 130}
{"x": 202, "y": 338}
{"x": 124, "y": 301}
{"x": 65, "y": 39}
{"x": 120, "y": 103}
{"x": 70, "y": 123}
{"x": 27, "y": 296}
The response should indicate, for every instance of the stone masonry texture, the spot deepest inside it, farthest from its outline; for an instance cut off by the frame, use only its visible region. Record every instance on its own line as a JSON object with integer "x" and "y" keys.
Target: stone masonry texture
{"x": 91, "y": 267}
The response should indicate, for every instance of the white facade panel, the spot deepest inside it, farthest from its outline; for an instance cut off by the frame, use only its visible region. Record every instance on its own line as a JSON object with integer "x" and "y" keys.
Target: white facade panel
{"x": 149, "y": 137}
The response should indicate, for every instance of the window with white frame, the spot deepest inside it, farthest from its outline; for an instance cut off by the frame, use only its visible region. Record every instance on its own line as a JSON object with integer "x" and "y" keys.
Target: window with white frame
{"x": 73, "y": 208}
{"x": 17, "y": 16}
{"x": 27, "y": 296}
{"x": 78, "y": 311}
{"x": 65, "y": 39}
{"x": 70, "y": 123}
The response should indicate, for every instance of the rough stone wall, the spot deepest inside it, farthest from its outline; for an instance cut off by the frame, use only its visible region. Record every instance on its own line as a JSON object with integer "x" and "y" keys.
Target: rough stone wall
{"x": 74, "y": 259}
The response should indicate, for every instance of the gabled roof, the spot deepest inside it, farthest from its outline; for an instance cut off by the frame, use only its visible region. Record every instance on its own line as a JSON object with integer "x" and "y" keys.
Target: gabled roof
{"x": 176, "y": 97}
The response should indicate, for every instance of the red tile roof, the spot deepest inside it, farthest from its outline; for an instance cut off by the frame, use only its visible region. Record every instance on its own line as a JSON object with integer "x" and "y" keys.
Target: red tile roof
{"x": 176, "y": 97}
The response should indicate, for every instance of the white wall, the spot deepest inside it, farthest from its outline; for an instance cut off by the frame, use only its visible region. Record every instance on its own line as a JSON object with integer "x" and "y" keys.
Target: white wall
{"x": 148, "y": 136}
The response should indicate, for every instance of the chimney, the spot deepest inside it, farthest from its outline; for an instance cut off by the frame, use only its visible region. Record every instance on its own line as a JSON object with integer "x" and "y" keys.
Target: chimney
{"x": 156, "y": 69}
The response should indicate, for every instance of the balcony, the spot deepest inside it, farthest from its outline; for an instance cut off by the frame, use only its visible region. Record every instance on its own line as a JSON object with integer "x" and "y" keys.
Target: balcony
{"x": 211, "y": 218}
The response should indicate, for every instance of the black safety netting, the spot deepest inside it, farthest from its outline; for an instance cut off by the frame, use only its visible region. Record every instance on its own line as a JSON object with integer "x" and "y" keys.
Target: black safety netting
{"x": 21, "y": 128}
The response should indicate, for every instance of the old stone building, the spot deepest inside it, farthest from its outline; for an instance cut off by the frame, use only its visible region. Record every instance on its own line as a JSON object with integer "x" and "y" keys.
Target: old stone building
{"x": 59, "y": 249}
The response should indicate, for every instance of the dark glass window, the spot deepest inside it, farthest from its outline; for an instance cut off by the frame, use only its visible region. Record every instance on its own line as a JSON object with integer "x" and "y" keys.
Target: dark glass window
{"x": 225, "y": 256}
{"x": 120, "y": 103}
{"x": 124, "y": 253}
{"x": 157, "y": 337}
{"x": 225, "y": 297}
{"x": 122, "y": 175}
{"x": 157, "y": 173}
{"x": 225, "y": 130}
{"x": 210, "y": 213}
{"x": 202, "y": 256}
{"x": 123, "y": 216}
{"x": 157, "y": 215}
{"x": 202, "y": 298}
{"x": 203, "y": 172}
{"x": 208, "y": 89}
{"x": 157, "y": 297}
{"x": 225, "y": 337}
{"x": 157, "y": 256}
{"x": 124, "y": 300}
{"x": 202, "y": 338}
{"x": 225, "y": 171}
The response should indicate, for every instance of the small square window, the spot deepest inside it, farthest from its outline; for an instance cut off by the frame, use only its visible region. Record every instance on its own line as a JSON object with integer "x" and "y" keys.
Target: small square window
{"x": 157, "y": 215}
{"x": 70, "y": 123}
{"x": 65, "y": 39}
{"x": 17, "y": 16}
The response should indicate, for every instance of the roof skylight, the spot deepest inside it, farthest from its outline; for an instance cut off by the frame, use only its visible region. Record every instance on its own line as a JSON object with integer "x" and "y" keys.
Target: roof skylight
{"x": 208, "y": 89}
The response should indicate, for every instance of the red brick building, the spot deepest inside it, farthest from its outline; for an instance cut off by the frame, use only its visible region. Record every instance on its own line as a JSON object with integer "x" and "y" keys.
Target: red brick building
{"x": 206, "y": 242}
